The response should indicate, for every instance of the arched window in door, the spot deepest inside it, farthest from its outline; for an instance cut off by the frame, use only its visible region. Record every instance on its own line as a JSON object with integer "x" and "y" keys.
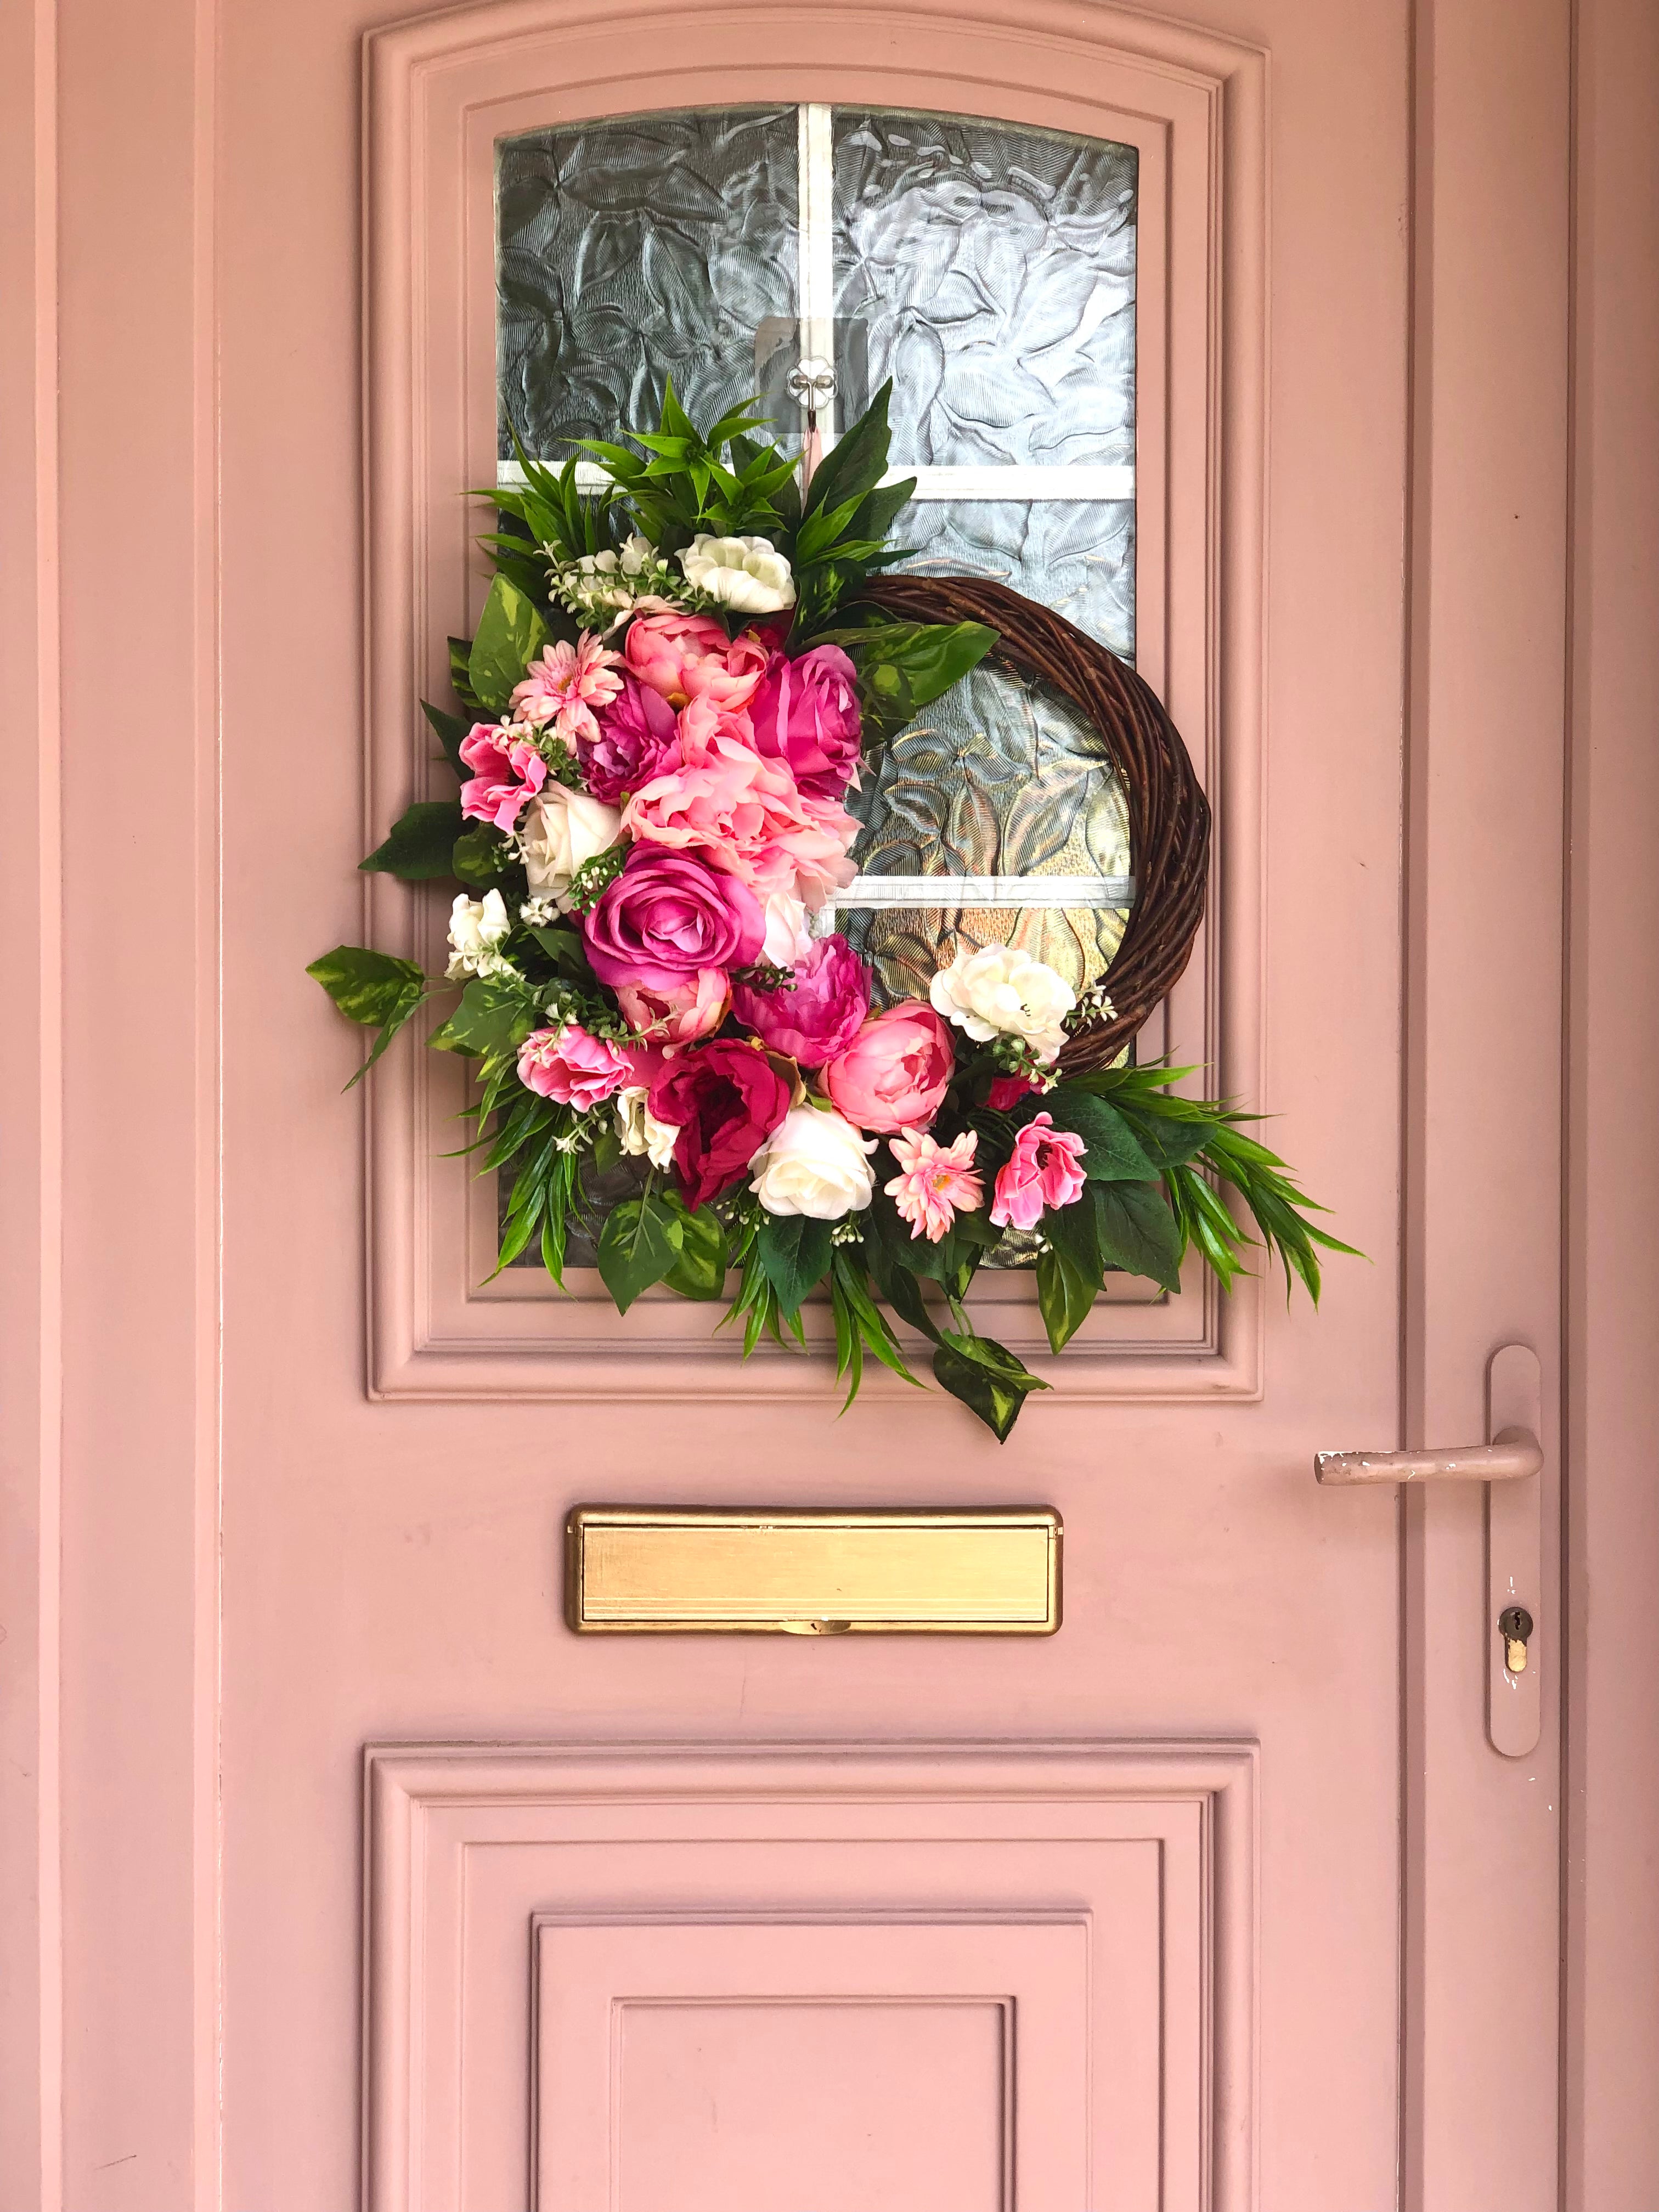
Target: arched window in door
{"x": 989, "y": 269}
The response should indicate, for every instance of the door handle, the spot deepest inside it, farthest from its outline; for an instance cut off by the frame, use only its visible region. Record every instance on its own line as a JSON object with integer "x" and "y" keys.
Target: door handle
{"x": 1510, "y": 1463}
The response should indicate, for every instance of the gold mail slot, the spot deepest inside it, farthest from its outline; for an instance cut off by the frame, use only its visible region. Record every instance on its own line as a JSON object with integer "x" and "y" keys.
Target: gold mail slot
{"x": 641, "y": 1569}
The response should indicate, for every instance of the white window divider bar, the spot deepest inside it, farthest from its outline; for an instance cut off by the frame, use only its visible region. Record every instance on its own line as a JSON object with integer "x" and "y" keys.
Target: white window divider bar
{"x": 1094, "y": 893}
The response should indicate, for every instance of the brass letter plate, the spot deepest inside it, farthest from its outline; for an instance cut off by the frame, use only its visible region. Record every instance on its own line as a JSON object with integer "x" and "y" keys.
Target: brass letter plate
{"x": 637, "y": 1570}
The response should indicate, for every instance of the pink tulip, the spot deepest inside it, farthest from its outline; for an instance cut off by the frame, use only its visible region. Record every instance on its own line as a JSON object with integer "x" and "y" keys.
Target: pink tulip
{"x": 573, "y": 1068}
{"x": 1046, "y": 1171}
{"x": 509, "y": 772}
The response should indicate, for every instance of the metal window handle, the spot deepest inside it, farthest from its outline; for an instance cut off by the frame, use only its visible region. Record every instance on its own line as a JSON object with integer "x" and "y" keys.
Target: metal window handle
{"x": 1510, "y": 1464}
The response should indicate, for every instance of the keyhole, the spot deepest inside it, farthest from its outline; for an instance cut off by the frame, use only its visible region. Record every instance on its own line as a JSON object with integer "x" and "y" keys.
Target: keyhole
{"x": 1515, "y": 1626}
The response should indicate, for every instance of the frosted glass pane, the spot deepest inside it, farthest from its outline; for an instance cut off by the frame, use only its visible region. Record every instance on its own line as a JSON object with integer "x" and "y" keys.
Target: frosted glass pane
{"x": 1075, "y": 556}
{"x": 990, "y": 272}
{"x": 659, "y": 244}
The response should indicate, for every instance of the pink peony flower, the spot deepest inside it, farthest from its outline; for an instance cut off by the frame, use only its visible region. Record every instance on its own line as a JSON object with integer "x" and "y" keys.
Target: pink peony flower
{"x": 934, "y": 1183}
{"x": 667, "y": 916}
{"x": 742, "y": 813}
{"x": 817, "y": 1015}
{"x": 806, "y": 712}
{"x": 1046, "y": 1171}
{"x": 1008, "y": 1090}
{"x": 573, "y": 1068}
{"x": 725, "y": 1099}
{"x": 567, "y": 683}
{"x": 896, "y": 1072}
{"x": 695, "y": 1007}
{"x": 686, "y": 656}
{"x": 508, "y": 771}
{"x": 634, "y": 740}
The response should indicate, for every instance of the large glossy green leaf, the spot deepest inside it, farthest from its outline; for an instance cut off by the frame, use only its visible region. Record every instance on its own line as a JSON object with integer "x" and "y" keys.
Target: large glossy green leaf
{"x": 700, "y": 1270}
{"x": 795, "y": 1251}
{"x": 421, "y": 844}
{"x": 492, "y": 1017}
{"x": 903, "y": 666}
{"x": 1138, "y": 1231}
{"x": 638, "y": 1245}
{"x": 857, "y": 462}
{"x": 450, "y": 730}
{"x": 367, "y": 987}
{"x": 481, "y": 856}
{"x": 986, "y": 1378}
{"x": 511, "y": 633}
{"x": 1066, "y": 1296}
{"x": 1113, "y": 1154}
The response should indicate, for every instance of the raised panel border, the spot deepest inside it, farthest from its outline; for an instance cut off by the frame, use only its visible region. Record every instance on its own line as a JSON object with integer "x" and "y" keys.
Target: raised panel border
{"x": 430, "y": 1810}
{"x": 437, "y": 92}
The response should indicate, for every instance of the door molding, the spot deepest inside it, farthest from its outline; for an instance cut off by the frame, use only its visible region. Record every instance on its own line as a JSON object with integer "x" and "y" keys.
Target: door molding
{"x": 473, "y": 1851}
{"x": 438, "y": 92}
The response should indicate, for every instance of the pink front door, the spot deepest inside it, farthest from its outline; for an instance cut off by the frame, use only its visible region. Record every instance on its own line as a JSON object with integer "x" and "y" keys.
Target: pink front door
{"x": 1219, "y": 1898}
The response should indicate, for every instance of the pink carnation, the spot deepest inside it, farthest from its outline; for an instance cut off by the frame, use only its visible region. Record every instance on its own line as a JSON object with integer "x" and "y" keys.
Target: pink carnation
{"x": 1046, "y": 1171}
{"x": 508, "y": 771}
{"x": 567, "y": 683}
{"x": 686, "y": 656}
{"x": 573, "y": 1068}
{"x": 935, "y": 1182}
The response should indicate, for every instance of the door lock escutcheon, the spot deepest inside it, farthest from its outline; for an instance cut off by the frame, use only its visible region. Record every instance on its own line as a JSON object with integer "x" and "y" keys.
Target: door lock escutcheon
{"x": 1510, "y": 1464}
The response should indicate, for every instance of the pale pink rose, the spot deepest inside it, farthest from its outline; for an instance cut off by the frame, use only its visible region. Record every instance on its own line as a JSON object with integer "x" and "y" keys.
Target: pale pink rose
{"x": 742, "y": 813}
{"x": 1046, "y": 1171}
{"x": 935, "y": 1182}
{"x": 894, "y": 1073}
{"x": 507, "y": 771}
{"x": 567, "y": 683}
{"x": 573, "y": 1068}
{"x": 695, "y": 1007}
{"x": 686, "y": 656}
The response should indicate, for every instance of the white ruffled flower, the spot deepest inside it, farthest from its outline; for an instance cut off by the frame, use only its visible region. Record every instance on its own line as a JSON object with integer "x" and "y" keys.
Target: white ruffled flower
{"x": 787, "y": 939}
{"x": 538, "y": 912}
{"x": 560, "y": 830}
{"x": 995, "y": 991}
{"x": 814, "y": 1162}
{"x": 642, "y": 1134}
{"x": 476, "y": 927}
{"x": 746, "y": 573}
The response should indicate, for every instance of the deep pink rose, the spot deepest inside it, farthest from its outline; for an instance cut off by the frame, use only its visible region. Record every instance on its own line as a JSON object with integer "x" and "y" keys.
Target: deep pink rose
{"x": 667, "y": 916}
{"x": 687, "y": 656}
{"x": 806, "y": 711}
{"x": 634, "y": 740}
{"x": 817, "y": 1015}
{"x": 1046, "y": 1171}
{"x": 508, "y": 770}
{"x": 894, "y": 1073}
{"x": 1008, "y": 1090}
{"x": 696, "y": 1007}
{"x": 725, "y": 1099}
{"x": 573, "y": 1068}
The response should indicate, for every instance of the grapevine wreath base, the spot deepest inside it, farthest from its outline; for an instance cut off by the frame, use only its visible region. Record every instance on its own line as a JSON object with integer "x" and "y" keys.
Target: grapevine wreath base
{"x": 674, "y": 683}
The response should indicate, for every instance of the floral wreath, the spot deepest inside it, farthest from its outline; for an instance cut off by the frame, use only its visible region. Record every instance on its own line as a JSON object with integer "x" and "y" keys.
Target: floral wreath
{"x": 674, "y": 683}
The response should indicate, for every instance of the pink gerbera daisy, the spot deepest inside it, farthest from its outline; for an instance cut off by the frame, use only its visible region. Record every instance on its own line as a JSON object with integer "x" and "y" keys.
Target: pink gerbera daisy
{"x": 567, "y": 683}
{"x": 935, "y": 1182}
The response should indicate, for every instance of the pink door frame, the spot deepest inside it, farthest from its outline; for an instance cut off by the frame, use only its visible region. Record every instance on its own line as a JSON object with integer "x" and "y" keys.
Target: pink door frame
{"x": 108, "y": 1593}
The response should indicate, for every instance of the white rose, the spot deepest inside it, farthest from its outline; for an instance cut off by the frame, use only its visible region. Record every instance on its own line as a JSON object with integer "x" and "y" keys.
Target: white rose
{"x": 560, "y": 829}
{"x": 640, "y": 1131}
{"x": 786, "y": 938}
{"x": 814, "y": 1162}
{"x": 476, "y": 926}
{"x": 746, "y": 573}
{"x": 995, "y": 991}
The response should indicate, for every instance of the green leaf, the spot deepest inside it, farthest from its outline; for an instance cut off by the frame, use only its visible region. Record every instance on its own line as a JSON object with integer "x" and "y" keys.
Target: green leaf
{"x": 902, "y": 666}
{"x": 564, "y": 947}
{"x": 494, "y": 1017}
{"x": 511, "y": 633}
{"x": 1137, "y": 1230}
{"x": 1074, "y": 1231}
{"x": 421, "y": 844}
{"x": 857, "y": 462}
{"x": 1065, "y": 1298}
{"x": 1113, "y": 1153}
{"x": 450, "y": 731}
{"x": 367, "y": 987}
{"x": 638, "y": 1245}
{"x": 986, "y": 1378}
{"x": 481, "y": 856}
{"x": 700, "y": 1270}
{"x": 795, "y": 1251}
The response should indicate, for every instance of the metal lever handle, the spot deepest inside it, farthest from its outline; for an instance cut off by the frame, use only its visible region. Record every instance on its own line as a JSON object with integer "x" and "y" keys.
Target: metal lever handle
{"x": 1511, "y": 1456}
{"x": 1510, "y": 1464}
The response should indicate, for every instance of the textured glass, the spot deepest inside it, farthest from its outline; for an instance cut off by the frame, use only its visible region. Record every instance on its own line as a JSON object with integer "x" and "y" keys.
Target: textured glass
{"x": 991, "y": 272}
{"x": 1075, "y": 556}
{"x": 1001, "y": 777}
{"x": 657, "y": 246}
